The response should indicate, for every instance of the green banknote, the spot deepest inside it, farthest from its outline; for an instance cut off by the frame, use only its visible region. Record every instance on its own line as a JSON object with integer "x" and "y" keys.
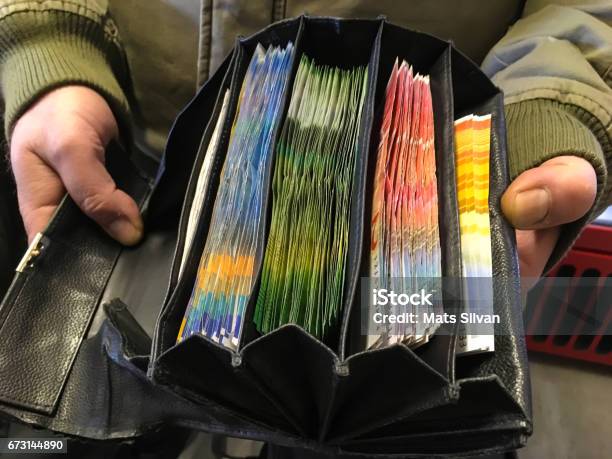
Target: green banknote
{"x": 304, "y": 263}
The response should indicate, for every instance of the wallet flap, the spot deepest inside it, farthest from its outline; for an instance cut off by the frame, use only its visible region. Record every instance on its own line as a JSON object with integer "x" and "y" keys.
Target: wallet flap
{"x": 46, "y": 313}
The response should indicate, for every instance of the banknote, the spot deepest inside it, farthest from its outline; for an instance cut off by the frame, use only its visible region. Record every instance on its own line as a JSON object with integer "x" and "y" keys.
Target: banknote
{"x": 472, "y": 158}
{"x": 226, "y": 270}
{"x": 304, "y": 266}
{"x": 202, "y": 183}
{"x": 405, "y": 252}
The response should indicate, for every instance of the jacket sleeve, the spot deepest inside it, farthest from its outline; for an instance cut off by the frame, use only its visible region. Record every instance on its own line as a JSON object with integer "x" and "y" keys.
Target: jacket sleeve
{"x": 555, "y": 68}
{"x": 45, "y": 44}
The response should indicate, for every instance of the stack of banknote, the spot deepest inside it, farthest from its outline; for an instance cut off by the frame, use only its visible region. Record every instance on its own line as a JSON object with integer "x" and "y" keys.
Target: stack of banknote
{"x": 472, "y": 151}
{"x": 405, "y": 254}
{"x": 226, "y": 272}
{"x": 304, "y": 266}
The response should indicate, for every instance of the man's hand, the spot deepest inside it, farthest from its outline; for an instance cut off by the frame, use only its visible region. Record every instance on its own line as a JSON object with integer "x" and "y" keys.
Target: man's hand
{"x": 540, "y": 200}
{"x": 58, "y": 145}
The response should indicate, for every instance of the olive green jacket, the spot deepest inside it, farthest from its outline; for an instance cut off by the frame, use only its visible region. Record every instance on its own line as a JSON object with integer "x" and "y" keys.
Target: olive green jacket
{"x": 553, "y": 59}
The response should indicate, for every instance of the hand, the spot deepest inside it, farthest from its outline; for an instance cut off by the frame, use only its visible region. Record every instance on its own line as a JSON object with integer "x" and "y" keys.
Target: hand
{"x": 58, "y": 145}
{"x": 540, "y": 200}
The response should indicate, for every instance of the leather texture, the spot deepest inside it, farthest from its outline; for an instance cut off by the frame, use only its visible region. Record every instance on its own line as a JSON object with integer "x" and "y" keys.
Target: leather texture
{"x": 54, "y": 301}
{"x": 116, "y": 379}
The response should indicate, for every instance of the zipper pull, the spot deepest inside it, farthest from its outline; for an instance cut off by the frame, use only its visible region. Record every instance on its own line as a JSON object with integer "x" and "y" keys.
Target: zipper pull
{"x": 35, "y": 249}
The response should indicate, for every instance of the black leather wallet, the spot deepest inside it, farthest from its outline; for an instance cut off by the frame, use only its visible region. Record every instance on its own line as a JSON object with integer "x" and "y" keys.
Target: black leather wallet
{"x": 76, "y": 354}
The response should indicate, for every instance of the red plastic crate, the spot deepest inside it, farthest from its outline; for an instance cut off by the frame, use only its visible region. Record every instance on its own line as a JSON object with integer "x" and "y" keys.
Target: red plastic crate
{"x": 589, "y": 264}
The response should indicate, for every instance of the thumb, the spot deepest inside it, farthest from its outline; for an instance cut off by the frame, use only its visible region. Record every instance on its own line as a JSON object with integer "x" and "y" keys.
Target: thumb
{"x": 92, "y": 188}
{"x": 559, "y": 191}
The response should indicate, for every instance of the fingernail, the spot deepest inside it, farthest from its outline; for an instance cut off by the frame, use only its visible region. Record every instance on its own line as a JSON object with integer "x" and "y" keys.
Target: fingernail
{"x": 530, "y": 207}
{"x": 124, "y": 231}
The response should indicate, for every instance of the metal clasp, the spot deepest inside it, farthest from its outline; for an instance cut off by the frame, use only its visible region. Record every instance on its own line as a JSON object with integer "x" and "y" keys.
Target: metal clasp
{"x": 34, "y": 250}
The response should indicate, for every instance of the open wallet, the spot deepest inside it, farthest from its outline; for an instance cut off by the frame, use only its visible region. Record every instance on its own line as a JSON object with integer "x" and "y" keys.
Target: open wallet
{"x": 88, "y": 329}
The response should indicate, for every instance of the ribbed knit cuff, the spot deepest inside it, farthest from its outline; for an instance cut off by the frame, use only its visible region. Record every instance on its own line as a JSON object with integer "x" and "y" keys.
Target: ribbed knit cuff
{"x": 541, "y": 129}
{"x": 43, "y": 50}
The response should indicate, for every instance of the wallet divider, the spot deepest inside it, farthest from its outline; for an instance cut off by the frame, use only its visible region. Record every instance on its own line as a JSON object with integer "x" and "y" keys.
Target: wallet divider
{"x": 371, "y": 391}
{"x": 486, "y": 418}
{"x": 360, "y": 198}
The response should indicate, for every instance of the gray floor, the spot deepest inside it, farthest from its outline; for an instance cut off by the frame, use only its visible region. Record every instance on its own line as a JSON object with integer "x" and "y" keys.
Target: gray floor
{"x": 572, "y": 405}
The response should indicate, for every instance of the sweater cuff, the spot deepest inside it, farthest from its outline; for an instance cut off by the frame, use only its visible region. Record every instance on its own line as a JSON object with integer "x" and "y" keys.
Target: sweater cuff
{"x": 43, "y": 50}
{"x": 541, "y": 129}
